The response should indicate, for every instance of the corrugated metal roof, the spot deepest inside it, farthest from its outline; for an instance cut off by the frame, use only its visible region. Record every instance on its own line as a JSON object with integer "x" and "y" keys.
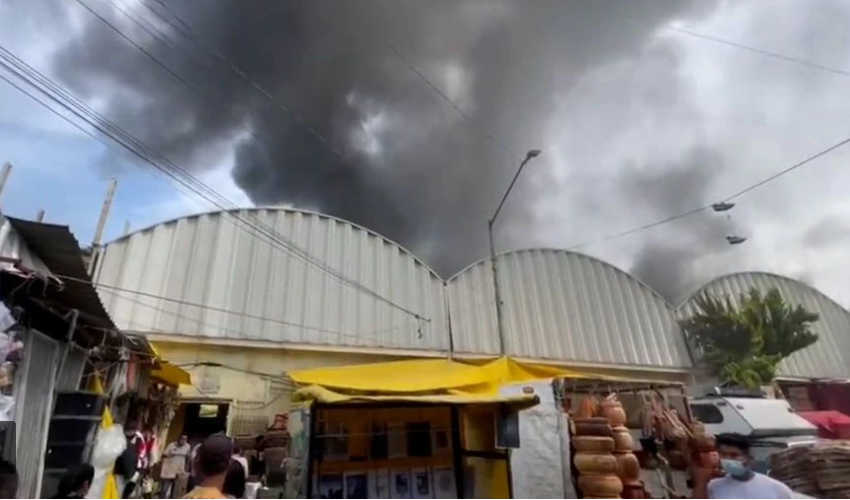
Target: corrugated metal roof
{"x": 214, "y": 260}
{"x": 13, "y": 246}
{"x": 829, "y": 356}
{"x": 60, "y": 253}
{"x": 563, "y": 305}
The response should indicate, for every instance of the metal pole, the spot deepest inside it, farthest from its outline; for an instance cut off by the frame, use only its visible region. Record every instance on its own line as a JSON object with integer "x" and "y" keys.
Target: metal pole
{"x": 496, "y": 291}
{"x": 101, "y": 224}
{"x": 4, "y": 175}
{"x": 39, "y": 217}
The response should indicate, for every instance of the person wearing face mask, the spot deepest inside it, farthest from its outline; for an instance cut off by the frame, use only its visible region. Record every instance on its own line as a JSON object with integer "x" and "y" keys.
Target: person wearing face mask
{"x": 740, "y": 481}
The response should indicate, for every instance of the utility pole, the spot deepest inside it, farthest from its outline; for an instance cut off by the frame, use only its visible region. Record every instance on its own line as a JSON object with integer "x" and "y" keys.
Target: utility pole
{"x": 101, "y": 223}
{"x": 499, "y": 322}
{"x": 4, "y": 175}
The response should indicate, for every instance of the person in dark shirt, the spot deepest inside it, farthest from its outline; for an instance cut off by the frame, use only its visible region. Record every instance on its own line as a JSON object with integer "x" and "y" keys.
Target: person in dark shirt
{"x": 75, "y": 482}
{"x": 234, "y": 481}
{"x": 257, "y": 466}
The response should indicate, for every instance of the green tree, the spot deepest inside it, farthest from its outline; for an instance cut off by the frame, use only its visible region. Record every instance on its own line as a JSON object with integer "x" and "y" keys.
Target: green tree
{"x": 745, "y": 343}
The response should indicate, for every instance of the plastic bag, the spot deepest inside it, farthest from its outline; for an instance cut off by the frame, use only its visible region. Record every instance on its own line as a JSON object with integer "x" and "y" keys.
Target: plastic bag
{"x": 108, "y": 446}
{"x": 7, "y": 408}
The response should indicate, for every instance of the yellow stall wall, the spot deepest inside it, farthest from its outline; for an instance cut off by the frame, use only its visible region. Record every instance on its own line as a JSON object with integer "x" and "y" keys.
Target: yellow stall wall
{"x": 251, "y": 379}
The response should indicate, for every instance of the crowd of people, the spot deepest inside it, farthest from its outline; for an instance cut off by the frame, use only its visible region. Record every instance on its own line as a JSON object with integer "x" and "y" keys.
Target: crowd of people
{"x": 212, "y": 468}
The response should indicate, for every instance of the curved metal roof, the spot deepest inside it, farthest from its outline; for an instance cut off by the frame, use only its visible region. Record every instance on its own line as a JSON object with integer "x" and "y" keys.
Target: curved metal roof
{"x": 223, "y": 281}
{"x": 829, "y": 356}
{"x": 564, "y": 305}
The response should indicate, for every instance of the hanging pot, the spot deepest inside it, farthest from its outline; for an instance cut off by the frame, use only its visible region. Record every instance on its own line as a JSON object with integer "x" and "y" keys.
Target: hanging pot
{"x": 613, "y": 410}
{"x": 593, "y": 444}
{"x": 628, "y": 467}
{"x": 622, "y": 439}
{"x": 600, "y": 485}
{"x": 587, "y": 407}
{"x": 596, "y": 463}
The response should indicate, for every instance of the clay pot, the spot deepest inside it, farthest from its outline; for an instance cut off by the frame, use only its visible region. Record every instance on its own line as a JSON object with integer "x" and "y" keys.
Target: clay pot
{"x": 705, "y": 442}
{"x": 596, "y": 463}
{"x": 600, "y": 485}
{"x": 628, "y": 467}
{"x": 613, "y": 411}
{"x": 633, "y": 489}
{"x": 593, "y": 444}
{"x": 709, "y": 459}
{"x": 587, "y": 407}
{"x": 622, "y": 439}
{"x": 585, "y": 428}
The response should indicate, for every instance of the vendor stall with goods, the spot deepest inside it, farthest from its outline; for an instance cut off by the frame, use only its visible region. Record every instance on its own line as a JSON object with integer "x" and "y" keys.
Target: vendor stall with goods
{"x": 632, "y": 439}
{"x": 408, "y": 429}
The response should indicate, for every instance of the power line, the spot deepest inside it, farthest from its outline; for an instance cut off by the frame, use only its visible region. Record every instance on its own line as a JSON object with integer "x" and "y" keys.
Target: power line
{"x": 182, "y": 176}
{"x": 774, "y": 55}
{"x": 732, "y": 196}
{"x": 116, "y": 291}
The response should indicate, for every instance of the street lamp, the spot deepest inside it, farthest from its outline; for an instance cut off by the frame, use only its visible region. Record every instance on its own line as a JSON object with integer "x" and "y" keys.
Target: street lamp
{"x": 533, "y": 153}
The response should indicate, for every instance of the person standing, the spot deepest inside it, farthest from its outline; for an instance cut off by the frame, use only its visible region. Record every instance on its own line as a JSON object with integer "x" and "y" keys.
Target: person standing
{"x": 211, "y": 466}
{"x": 174, "y": 460}
{"x": 740, "y": 480}
{"x": 237, "y": 456}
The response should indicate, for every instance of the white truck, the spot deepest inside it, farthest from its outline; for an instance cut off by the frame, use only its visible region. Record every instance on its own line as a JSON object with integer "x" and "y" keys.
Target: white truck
{"x": 771, "y": 424}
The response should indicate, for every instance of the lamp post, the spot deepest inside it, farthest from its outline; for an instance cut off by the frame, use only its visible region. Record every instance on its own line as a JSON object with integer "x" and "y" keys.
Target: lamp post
{"x": 528, "y": 156}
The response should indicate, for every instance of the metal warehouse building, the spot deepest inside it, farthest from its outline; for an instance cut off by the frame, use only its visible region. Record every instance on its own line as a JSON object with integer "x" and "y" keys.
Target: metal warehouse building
{"x": 829, "y": 357}
{"x": 240, "y": 311}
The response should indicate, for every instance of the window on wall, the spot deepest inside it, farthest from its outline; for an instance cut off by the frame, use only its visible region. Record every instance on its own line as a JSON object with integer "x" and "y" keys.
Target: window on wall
{"x": 707, "y": 413}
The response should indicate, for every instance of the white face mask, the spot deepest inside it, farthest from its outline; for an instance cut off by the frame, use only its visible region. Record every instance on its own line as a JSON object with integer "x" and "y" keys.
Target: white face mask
{"x": 735, "y": 468}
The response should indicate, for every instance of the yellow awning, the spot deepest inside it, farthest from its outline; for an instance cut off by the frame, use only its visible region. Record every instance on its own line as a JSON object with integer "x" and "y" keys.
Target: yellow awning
{"x": 327, "y": 396}
{"x": 172, "y": 374}
{"x": 422, "y": 376}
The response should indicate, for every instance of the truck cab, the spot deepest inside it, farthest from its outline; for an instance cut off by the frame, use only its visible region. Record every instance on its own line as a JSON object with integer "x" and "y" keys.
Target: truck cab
{"x": 770, "y": 424}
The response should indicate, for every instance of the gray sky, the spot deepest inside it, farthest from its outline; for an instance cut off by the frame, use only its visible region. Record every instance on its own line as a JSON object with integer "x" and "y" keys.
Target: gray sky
{"x": 637, "y": 121}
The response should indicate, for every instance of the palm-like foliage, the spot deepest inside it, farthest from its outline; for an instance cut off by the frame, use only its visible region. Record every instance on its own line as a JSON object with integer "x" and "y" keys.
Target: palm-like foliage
{"x": 745, "y": 343}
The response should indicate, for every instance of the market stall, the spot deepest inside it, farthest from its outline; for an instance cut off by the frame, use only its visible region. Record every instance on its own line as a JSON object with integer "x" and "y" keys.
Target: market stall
{"x": 633, "y": 439}
{"x": 409, "y": 429}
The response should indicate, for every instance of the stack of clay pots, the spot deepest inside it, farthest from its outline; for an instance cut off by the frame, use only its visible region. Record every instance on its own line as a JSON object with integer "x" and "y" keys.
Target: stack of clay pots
{"x": 594, "y": 459}
{"x": 628, "y": 466}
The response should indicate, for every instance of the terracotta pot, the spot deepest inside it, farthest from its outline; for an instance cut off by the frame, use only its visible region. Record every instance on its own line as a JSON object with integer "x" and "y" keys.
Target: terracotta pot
{"x": 628, "y": 467}
{"x": 622, "y": 439}
{"x": 705, "y": 443}
{"x": 613, "y": 411}
{"x": 587, "y": 407}
{"x": 592, "y": 429}
{"x": 709, "y": 459}
{"x": 591, "y": 420}
{"x": 596, "y": 463}
{"x": 634, "y": 489}
{"x": 600, "y": 485}
{"x": 593, "y": 444}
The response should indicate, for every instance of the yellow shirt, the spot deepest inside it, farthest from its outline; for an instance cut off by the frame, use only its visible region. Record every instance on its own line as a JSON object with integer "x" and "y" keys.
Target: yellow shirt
{"x": 205, "y": 492}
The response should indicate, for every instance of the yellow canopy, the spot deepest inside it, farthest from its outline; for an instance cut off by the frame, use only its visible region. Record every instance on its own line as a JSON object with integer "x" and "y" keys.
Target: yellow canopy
{"x": 327, "y": 396}
{"x": 423, "y": 376}
{"x": 172, "y": 374}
